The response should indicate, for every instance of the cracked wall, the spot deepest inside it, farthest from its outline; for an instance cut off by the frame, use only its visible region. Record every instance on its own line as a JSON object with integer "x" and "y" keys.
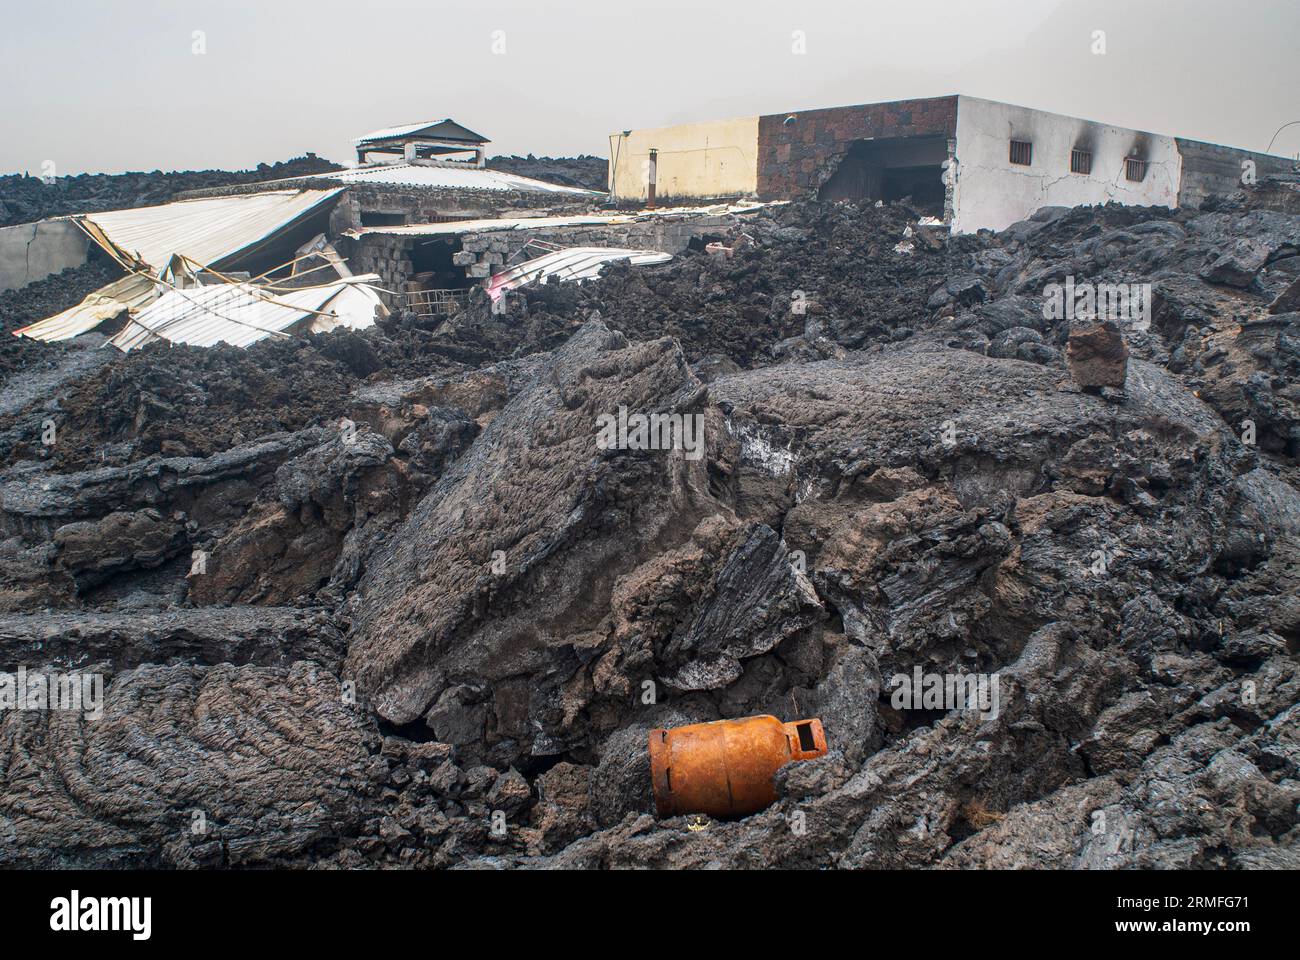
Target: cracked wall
{"x": 991, "y": 192}
{"x": 34, "y": 251}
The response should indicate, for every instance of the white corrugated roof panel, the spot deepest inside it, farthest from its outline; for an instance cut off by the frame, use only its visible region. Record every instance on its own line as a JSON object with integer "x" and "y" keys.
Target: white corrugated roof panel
{"x": 406, "y": 129}
{"x": 534, "y": 223}
{"x": 403, "y": 130}
{"x": 449, "y": 177}
{"x": 241, "y": 314}
{"x": 484, "y": 226}
{"x": 573, "y": 263}
{"x": 130, "y": 293}
{"x": 208, "y": 230}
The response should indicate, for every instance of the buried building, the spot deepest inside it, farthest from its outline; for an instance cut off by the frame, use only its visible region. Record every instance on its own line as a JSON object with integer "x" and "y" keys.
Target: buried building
{"x": 263, "y": 236}
{"x": 976, "y": 163}
{"x": 270, "y": 245}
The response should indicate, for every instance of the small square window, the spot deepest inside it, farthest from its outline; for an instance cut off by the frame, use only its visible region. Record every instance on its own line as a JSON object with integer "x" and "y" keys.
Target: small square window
{"x": 1022, "y": 152}
{"x": 1080, "y": 161}
{"x": 1135, "y": 169}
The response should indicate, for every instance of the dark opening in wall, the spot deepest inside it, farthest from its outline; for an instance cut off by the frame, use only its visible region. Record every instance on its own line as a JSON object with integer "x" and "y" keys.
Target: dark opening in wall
{"x": 377, "y": 218}
{"x": 891, "y": 169}
{"x": 432, "y": 267}
{"x": 1080, "y": 161}
{"x": 436, "y": 286}
{"x": 1135, "y": 169}
{"x": 1022, "y": 152}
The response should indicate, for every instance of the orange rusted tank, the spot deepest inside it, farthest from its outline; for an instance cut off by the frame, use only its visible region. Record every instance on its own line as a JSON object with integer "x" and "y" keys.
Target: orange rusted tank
{"x": 725, "y": 768}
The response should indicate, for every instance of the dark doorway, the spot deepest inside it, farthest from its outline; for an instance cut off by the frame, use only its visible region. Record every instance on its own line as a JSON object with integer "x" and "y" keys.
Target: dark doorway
{"x": 437, "y": 287}
{"x": 432, "y": 267}
{"x": 890, "y": 169}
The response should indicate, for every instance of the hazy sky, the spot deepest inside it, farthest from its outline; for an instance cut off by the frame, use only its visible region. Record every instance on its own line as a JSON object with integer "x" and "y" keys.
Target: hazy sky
{"x": 112, "y": 85}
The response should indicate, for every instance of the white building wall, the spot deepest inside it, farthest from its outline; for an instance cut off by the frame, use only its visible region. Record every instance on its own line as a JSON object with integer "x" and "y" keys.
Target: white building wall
{"x": 990, "y": 191}
{"x": 34, "y": 251}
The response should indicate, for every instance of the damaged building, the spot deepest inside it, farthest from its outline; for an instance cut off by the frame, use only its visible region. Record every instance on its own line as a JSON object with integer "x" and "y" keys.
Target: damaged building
{"x": 422, "y": 222}
{"x": 976, "y": 163}
{"x": 431, "y": 172}
{"x": 418, "y": 226}
{"x": 433, "y": 266}
{"x": 565, "y": 585}
{"x": 274, "y": 248}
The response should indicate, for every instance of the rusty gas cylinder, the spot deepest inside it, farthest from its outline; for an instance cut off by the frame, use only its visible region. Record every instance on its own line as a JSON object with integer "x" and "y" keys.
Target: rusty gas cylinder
{"x": 725, "y": 768}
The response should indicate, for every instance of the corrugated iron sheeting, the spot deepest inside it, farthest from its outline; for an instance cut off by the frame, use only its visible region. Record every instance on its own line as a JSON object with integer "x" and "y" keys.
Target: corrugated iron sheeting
{"x": 533, "y": 223}
{"x": 207, "y": 231}
{"x": 241, "y": 314}
{"x": 129, "y": 293}
{"x": 467, "y": 178}
{"x": 574, "y": 263}
{"x": 484, "y": 226}
{"x": 406, "y": 129}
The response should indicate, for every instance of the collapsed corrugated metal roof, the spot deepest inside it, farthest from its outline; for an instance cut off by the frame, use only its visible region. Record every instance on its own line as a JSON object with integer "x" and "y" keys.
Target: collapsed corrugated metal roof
{"x": 129, "y": 293}
{"x": 573, "y": 263}
{"x": 533, "y": 223}
{"x": 483, "y": 226}
{"x": 447, "y": 129}
{"x": 450, "y": 177}
{"x": 152, "y": 240}
{"x": 209, "y": 231}
{"x": 241, "y": 313}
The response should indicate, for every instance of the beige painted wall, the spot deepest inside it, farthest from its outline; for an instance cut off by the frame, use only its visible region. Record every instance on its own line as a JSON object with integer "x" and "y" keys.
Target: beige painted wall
{"x": 716, "y": 159}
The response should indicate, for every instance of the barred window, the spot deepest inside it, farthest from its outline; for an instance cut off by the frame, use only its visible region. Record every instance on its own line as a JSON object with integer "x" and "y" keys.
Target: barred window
{"x": 1080, "y": 161}
{"x": 1135, "y": 169}
{"x": 1022, "y": 152}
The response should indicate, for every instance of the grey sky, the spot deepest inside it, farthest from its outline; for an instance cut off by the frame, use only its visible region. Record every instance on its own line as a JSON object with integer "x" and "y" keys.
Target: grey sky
{"x": 113, "y": 85}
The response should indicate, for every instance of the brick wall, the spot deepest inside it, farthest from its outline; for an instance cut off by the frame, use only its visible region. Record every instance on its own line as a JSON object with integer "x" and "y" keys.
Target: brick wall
{"x": 794, "y": 159}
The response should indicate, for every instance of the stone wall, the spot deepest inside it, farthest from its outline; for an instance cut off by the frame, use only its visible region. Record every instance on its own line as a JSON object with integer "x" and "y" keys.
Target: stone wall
{"x": 486, "y": 252}
{"x": 426, "y": 205}
{"x": 795, "y": 158}
{"x": 387, "y": 255}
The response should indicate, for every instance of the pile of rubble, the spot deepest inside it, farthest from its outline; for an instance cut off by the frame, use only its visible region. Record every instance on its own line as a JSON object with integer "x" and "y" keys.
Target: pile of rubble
{"x": 378, "y": 598}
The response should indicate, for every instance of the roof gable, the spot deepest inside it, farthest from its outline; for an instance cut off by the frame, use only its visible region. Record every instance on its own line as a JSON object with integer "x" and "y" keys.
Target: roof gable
{"x": 433, "y": 129}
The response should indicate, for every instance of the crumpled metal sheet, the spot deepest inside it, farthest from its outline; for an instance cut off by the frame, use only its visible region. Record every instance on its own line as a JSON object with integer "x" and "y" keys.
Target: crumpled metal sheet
{"x": 241, "y": 314}
{"x": 130, "y": 293}
{"x": 573, "y": 263}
